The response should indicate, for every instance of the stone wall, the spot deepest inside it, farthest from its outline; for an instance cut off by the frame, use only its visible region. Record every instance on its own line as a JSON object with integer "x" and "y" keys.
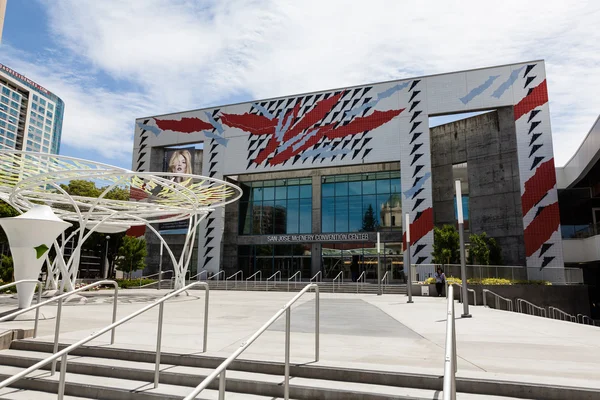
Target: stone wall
{"x": 487, "y": 143}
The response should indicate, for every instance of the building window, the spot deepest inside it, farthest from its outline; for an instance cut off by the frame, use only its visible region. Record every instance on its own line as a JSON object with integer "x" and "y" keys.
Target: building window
{"x": 35, "y": 98}
{"x": 364, "y": 202}
{"x": 5, "y": 100}
{"x": 50, "y": 106}
{"x": 34, "y": 106}
{"x": 5, "y": 90}
{"x": 16, "y": 96}
{"x": 282, "y": 206}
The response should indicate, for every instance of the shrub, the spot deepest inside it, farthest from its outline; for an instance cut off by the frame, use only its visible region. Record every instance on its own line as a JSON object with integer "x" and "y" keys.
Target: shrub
{"x": 488, "y": 281}
{"x": 128, "y": 283}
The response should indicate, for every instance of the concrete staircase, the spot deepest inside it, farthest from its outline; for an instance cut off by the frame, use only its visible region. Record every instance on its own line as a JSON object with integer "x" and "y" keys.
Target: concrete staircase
{"x": 115, "y": 374}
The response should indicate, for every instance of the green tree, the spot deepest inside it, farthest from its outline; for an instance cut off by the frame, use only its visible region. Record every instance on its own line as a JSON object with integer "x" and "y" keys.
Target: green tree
{"x": 479, "y": 252}
{"x": 446, "y": 245}
{"x": 495, "y": 252}
{"x": 369, "y": 221}
{"x": 484, "y": 250}
{"x": 132, "y": 254}
{"x": 6, "y": 211}
{"x": 6, "y": 269}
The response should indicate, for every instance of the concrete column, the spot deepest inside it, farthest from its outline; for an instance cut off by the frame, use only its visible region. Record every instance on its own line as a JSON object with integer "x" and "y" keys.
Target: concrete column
{"x": 315, "y": 265}
{"x": 315, "y": 249}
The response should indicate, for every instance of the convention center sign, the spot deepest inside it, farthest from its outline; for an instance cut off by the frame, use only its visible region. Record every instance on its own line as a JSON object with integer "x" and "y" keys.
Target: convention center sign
{"x": 321, "y": 237}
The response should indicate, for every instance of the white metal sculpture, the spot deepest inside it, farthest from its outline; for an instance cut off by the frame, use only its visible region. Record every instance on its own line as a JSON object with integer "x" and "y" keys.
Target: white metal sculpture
{"x": 30, "y": 236}
{"x": 27, "y": 179}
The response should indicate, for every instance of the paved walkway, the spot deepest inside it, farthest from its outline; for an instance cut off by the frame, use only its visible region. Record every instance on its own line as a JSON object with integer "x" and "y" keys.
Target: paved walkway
{"x": 362, "y": 331}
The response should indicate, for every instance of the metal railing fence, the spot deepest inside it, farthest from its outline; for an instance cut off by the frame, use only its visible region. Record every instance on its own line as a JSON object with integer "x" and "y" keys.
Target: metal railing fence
{"x": 527, "y": 307}
{"x": 567, "y": 276}
{"x": 362, "y": 278}
{"x": 318, "y": 277}
{"x": 340, "y": 280}
{"x": 40, "y": 286}
{"x": 273, "y": 277}
{"x": 497, "y": 299}
{"x": 296, "y": 277}
{"x": 62, "y": 354}
{"x": 253, "y": 276}
{"x": 240, "y": 273}
{"x": 220, "y": 371}
{"x": 557, "y": 313}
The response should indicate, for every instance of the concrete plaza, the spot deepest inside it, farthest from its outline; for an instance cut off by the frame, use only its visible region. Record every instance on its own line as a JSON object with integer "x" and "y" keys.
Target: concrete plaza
{"x": 357, "y": 331}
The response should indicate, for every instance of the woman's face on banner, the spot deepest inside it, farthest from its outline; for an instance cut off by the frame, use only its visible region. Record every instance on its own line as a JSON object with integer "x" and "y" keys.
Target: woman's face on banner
{"x": 180, "y": 164}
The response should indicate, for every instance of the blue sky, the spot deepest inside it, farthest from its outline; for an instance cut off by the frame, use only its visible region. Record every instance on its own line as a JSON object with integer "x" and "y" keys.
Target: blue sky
{"x": 112, "y": 61}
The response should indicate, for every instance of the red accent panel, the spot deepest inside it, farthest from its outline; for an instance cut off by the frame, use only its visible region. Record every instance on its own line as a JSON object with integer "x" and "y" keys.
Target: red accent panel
{"x": 136, "y": 231}
{"x": 362, "y": 124}
{"x": 537, "y": 97}
{"x": 538, "y": 185}
{"x": 420, "y": 227}
{"x": 137, "y": 194}
{"x": 185, "y": 125}
{"x": 315, "y": 115}
{"x": 541, "y": 228}
{"x": 253, "y": 123}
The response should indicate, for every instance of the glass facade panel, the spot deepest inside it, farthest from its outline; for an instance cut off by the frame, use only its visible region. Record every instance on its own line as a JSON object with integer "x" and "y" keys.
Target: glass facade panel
{"x": 276, "y": 207}
{"x": 361, "y": 202}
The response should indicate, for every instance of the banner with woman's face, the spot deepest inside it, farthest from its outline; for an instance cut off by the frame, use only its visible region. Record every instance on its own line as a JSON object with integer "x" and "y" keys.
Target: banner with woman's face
{"x": 177, "y": 161}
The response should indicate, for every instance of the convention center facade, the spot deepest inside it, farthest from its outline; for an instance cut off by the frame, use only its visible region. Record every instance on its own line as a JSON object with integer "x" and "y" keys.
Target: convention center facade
{"x": 324, "y": 172}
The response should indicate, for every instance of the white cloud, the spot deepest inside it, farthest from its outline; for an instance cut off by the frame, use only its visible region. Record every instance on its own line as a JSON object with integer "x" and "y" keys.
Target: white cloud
{"x": 188, "y": 54}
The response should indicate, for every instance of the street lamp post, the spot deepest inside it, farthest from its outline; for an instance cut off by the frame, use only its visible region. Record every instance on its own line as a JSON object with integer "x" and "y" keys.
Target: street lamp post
{"x": 160, "y": 265}
{"x": 379, "y": 291}
{"x": 461, "y": 234}
{"x": 106, "y": 264}
{"x": 407, "y": 259}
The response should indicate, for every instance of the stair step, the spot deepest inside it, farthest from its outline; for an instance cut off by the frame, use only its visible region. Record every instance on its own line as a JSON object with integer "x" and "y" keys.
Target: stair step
{"x": 109, "y": 388}
{"x": 309, "y": 381}
{"x": 23, "y": 394}
{"x": 137, "y": 375}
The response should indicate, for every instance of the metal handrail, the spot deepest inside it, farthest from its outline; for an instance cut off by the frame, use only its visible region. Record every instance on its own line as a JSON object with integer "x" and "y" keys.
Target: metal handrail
{"x": 217, "y": 275}
{"x": 259, "y": 273}
{"x": 509, "y": 302}
{"x": 234, "y": 276}
{"x": 274, "y": 276}
{"x": 64, "y": 352}
{"x": 530, "y": 308}
{"x": 59, "y": 311}
{"x": 158, "y": 281}
{"x": 339, "y": 276}
{"x": 199, "y": 274}
{"x": 319, "y": 275}
{"x": 362, "y": 276}
{"x": 221, "y": 369}
{"x": 450, "y": 363}
{"x": 385, "y": 280}
{"x": 460, "y": 292}
{"x": 582, "y": 318}
{"x": 294, "y": 277}
{"x": 557, "y": 313}
{"x": 40, "y": 286}
{"x": 150, "y": 276}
